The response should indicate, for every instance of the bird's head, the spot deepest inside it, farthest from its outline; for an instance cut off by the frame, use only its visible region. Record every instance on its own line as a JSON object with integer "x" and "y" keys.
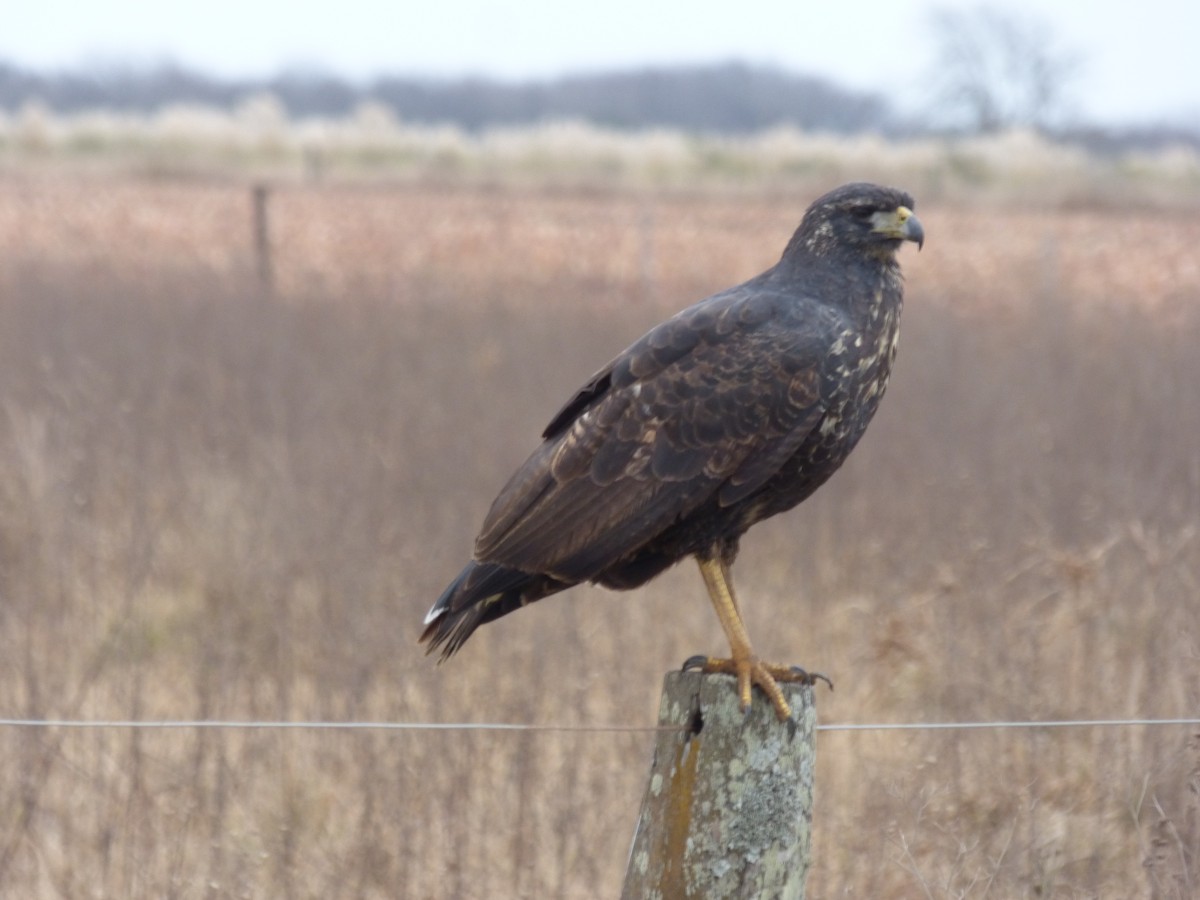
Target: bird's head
{"x": 862, "y": 217}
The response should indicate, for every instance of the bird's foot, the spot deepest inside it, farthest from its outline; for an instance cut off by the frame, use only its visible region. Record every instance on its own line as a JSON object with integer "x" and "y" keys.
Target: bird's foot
{"x": 750, "y": 670}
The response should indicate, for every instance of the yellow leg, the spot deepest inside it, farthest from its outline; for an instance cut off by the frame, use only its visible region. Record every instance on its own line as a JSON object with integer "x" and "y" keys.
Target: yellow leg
{"x": 744, "y": 663}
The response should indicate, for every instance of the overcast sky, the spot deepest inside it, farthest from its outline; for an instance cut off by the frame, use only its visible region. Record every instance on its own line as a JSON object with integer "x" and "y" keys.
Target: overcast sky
{"x": 1140, "y": 59}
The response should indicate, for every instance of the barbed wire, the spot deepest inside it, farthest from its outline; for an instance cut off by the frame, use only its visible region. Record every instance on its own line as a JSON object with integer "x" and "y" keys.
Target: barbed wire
{"x": 181, "y": 724}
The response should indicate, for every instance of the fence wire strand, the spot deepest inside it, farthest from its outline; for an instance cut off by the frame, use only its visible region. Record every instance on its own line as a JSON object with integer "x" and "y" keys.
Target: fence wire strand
{"x": 180, "y": 724}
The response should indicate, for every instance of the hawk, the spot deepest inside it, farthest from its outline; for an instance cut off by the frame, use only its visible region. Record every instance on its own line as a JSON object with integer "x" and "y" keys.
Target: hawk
{"x": 732, "y": 411}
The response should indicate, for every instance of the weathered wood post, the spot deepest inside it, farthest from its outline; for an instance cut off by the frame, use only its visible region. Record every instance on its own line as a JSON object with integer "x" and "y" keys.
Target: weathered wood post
{"x": 262, "y": 236}
{"x": 728, "y": 806}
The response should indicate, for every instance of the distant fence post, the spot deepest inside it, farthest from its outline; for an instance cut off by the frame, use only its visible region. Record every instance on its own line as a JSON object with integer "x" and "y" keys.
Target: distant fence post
{"x": 262, "y": 236}
{"x": 728, "y": 806}
{"x": 646, "y": 267}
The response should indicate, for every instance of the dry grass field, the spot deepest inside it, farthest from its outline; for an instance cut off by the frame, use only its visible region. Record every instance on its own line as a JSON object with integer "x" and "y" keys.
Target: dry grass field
{"x": 221, "y": 503}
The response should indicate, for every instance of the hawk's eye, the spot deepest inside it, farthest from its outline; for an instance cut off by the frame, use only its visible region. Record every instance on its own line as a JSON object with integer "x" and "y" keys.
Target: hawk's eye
{"x": 862, "y": 211}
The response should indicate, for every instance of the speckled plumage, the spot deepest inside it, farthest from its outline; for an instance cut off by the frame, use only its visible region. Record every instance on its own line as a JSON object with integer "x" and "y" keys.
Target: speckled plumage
{"x": 733, "y": 410}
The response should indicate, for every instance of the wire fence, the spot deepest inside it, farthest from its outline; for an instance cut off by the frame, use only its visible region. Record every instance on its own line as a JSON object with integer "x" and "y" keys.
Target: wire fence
{"x": 164, "y": 724}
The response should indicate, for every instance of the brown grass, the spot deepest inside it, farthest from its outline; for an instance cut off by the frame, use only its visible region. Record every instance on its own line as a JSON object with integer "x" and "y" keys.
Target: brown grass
{"x": 218, "y": 504}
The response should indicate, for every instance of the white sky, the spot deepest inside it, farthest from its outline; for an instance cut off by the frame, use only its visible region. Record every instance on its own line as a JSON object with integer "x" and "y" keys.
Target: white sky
{"x": 1140, "y": 59}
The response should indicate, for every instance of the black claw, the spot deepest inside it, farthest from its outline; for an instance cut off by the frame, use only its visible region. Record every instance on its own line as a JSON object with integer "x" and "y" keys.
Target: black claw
{"x": 811, "y": 678}
{"x": 694, "y": 662}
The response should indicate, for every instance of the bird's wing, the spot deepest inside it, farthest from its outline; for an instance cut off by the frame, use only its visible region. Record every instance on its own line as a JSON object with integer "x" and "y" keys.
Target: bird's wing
{"x": 711, "y": 402}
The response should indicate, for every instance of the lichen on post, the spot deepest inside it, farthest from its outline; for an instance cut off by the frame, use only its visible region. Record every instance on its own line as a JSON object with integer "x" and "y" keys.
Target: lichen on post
{"x": 727, "y": 810}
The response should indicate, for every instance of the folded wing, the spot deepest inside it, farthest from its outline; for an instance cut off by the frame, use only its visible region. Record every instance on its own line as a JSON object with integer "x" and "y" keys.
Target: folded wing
{"x": 710, "y": 403}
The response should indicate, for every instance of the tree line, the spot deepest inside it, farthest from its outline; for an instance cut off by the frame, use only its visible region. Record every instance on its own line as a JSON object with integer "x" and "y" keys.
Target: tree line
{"x": 727, "y": 98}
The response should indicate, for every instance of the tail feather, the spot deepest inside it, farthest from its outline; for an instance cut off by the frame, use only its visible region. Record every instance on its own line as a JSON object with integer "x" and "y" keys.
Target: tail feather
{"x": 482, "y": 592}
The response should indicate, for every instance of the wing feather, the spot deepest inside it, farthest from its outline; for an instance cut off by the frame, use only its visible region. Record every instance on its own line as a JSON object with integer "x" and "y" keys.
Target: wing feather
{"x": 709, "y": 404}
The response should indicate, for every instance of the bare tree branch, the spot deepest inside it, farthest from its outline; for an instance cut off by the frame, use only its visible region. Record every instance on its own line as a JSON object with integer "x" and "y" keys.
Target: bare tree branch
{"x": 996, "y": 69}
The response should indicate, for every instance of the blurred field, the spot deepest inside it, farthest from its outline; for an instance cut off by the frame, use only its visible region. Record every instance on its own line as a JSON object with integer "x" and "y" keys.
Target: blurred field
{"x": 222, "y": 504}
{"x": 258, "y": 138}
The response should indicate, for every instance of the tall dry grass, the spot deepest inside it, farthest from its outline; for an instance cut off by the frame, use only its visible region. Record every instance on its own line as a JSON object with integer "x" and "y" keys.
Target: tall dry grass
{"x": 218, "y": 504}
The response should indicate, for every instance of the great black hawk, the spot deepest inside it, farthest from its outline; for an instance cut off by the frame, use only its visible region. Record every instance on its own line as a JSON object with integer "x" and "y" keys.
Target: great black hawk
{"x": 733, "y": 410}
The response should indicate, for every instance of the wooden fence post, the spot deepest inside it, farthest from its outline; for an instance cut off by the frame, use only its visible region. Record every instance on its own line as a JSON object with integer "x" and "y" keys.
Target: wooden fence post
{"x": 728, "y": 807}
{"x": 262, "y": 236}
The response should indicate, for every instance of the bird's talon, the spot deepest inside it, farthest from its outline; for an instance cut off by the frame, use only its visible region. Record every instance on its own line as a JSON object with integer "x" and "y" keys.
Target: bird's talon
{"x": 811, "y": 678}
{"x": 744, "y": 696}
{"x": 750, "y": 672}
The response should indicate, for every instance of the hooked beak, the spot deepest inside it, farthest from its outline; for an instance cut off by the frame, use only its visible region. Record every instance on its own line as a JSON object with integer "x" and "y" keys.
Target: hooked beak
{"x": 901, "y": 224}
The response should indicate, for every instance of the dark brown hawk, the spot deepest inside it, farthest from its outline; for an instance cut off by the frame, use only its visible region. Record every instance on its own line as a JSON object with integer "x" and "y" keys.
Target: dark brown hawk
{"x": 731, "y": 411}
